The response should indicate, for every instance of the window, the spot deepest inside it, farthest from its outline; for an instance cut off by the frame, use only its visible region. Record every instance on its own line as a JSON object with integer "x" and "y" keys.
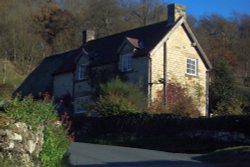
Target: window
{"x": 191, "y": 66}
{"x": 126, "y": 62}
{"x": 82, "y": 72}
{"x": 80, "y": 103}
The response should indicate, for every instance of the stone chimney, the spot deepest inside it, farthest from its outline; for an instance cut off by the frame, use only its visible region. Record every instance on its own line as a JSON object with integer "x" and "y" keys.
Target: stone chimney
{"x": 87, "y": 36}
{"x": 175, "y": 11}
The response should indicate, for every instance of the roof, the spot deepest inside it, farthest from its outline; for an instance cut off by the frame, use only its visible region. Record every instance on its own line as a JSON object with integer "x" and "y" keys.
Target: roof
{"x": 104, "y": 50}
{"x": 41, "y": 79}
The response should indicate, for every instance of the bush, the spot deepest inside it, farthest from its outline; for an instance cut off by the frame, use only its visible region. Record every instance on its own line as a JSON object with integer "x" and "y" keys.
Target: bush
{"x": 223, "y": 93}
{"x": 34, "y": 113}
{"x": 163, "y": 131}
{"x": 178, "y": 102}
{"x": 117, "y": 97}
{"x": 232, "y": 107}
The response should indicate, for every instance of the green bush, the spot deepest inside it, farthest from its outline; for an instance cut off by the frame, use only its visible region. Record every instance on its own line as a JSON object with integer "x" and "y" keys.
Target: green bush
{"x": 232, "y": 107}
{"x": 223, "y": 91}
{"x": 34, "y": 113}
{"x": 117, "y": 97}
{"x": 163, "y": 131}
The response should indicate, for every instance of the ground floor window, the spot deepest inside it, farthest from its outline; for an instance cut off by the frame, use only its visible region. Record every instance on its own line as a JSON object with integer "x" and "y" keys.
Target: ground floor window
{"x": 80, "y": 104}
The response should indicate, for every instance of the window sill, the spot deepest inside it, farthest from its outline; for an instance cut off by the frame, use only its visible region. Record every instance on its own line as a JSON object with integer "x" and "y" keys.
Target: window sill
{"x": 81, "y": 80}
{"x": 128, "y": 71}
{"x": 191, "y": 75}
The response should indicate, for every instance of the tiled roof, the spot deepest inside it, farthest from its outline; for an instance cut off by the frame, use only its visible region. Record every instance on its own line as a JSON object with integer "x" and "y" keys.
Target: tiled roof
{"x": 104, "y": 50}
{"x": 41, "y": 79}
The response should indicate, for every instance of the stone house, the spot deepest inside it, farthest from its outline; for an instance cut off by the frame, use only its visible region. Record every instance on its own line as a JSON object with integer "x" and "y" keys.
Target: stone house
{"x": 154, "y": 55}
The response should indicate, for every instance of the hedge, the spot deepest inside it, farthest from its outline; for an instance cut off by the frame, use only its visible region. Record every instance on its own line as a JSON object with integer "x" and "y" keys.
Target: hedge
{"x": 144, "y": 124}
{"x": 159, "y": 131}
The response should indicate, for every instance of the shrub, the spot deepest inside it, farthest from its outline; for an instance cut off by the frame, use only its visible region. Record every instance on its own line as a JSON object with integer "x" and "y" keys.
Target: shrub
{"x": 34, "y": 113}
{"x": 117, "y": 97}
{"x": 178, "y": 102}
{"x": 231, "y": 107}
{"x": 223, "y": 92}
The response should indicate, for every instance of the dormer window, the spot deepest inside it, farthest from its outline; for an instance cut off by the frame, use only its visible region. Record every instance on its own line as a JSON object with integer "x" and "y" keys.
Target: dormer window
{"x": 82, "y": 72}
{"x": 192, "y": 66}
{"x": 126, "y": 62}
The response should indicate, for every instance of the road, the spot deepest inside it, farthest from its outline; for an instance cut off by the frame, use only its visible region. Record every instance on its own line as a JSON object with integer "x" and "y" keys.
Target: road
{"x": 93, "y": 155}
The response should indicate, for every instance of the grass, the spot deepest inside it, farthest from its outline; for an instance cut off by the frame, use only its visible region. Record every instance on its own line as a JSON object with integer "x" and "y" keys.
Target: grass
{"x": 229, "y": 157}
{"x": 12, "y": 80}
{"x": 13, "y": 77}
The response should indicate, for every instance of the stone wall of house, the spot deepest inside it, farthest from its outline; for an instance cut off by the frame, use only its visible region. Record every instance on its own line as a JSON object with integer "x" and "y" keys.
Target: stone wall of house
{"x": 179, "y": 48}
{"x": 139, "y": 73}
{"x": 63, "y": 84}
{"x": 19, "y": 143}
{"x": 157, "y": 71}
{"x": 82, "y": 87}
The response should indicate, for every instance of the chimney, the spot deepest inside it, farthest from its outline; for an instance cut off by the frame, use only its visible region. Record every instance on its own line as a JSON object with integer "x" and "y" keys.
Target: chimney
{"x": 87, "y": 36}
{"x": 175, "y": 11}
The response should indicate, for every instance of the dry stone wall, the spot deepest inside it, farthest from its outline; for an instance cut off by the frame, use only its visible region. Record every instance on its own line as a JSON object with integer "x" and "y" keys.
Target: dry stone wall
{"x": 19, "y": 142}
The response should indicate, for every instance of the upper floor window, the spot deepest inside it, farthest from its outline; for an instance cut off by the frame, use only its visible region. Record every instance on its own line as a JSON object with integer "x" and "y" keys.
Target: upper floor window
{"x": 82, "y": 72}
{"x": 192, "y": 66}
{"x": 126, "y": 62}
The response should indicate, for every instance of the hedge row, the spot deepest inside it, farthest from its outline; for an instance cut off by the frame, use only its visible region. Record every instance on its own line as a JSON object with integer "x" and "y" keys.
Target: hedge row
{"x": 146, "y": 125}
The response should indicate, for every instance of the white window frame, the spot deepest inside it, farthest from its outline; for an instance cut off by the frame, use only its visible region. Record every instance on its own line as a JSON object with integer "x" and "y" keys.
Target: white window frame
{"x": 126, "y": 62}
{"x": 82, "y": 72}
{"x": 191, "y": 68}
{"x": 78, "y": 104}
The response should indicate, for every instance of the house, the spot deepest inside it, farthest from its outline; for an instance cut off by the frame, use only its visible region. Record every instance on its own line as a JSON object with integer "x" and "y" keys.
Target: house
{"x": 154, "y": 56}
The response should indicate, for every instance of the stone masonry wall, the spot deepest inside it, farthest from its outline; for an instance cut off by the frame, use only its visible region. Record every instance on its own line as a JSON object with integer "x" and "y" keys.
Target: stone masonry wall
{"x": 19, "y": 143}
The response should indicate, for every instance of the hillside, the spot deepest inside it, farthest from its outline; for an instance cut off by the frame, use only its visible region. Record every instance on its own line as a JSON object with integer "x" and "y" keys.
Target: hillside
{"x": 10, "y": 78}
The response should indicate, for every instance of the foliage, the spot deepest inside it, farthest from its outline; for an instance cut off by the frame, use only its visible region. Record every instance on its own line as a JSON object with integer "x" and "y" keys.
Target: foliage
{"x": 118, "y": 97}
{"x": 35, "y": 113}
{"x": 223, "y": 100}
{"x": 55, "y": 26}
{"x": 56, "y": 143}
{"x": 232, "y": 107}
{"x": 178, "y": 102}
{"x": 163, "y": 131}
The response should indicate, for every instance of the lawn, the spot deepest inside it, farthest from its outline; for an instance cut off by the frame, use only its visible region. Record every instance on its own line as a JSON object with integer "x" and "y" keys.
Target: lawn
{"x": 10, "y": 78}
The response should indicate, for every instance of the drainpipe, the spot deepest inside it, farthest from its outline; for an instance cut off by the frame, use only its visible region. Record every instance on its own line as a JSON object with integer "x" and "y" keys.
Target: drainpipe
{"x": 150, "y": 79}
{"x": 165, "y": 73}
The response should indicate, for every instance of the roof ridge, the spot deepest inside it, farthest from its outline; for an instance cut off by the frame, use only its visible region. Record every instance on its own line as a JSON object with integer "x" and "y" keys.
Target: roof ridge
{"x": 130, "y": 30}
{"x": 62, "y": 53}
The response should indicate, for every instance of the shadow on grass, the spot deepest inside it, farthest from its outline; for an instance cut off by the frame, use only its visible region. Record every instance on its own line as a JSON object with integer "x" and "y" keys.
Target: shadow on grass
{"x": 163, "y": 163}
{"x": 228, "y": 157}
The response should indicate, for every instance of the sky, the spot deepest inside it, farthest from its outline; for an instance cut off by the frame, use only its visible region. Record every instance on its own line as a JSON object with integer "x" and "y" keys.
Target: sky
{"x": 199, "y": 8}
